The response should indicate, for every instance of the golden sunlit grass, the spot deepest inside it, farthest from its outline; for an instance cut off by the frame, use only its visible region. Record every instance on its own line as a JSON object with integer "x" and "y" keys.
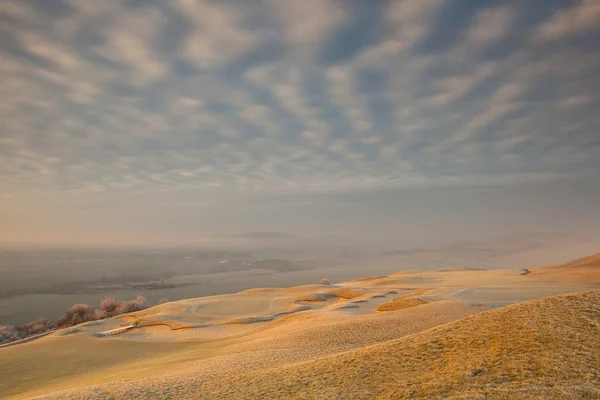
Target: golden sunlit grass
{"x": 404, "y": 301}
{"x": 543, "y": 349}
{"x": 368, "y": 278}
{"x": 291, "y": 339}
{"x": 400, "y": 304}
{"x": 582, "y": 270}
{"x": 546, "y": 349}
{"x": 347, "y": 293}
{"x": 260, "y": 344}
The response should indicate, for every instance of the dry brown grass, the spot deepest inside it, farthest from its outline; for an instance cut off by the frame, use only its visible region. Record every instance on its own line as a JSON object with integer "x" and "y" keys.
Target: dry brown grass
{"x": 404, "y": 301}
{"x": 401, "y": 304}
{"x": 585, "y": 270}
{"x": 546, "y": 349}
{"x": 347, "y": 293}
{"x": 369, "y": 278}
{"x": 154, "y": 374}
{"x": 542, "y": 349}
{"x": 589, "y": 262}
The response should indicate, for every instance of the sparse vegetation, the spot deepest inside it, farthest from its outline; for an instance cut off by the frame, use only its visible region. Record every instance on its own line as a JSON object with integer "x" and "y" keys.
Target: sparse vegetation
{"x": 543, "y": 349}
{"x": 9, "y": 333}
{"x": 402, "y": 302}
{"x": 348, "y": 293}
{"x": 109, "y": 307}
{"x": 324, "y": 281}
{"x": 77, "y": 314}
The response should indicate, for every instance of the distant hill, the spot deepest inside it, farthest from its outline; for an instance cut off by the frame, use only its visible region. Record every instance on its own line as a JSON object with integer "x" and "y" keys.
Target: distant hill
{"x": 259, "y": 235}
{"x": 516, "y": 241}
{"x": 585, "y": 269}
{"x": 591, "y": 262}
{"x": 517, "y": 250}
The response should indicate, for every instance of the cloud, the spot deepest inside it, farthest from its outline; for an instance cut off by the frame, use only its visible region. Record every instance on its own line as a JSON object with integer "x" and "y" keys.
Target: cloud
{"x": 501, "y": 102}
{"x": 344, "y": 94}
{"x": 307, "y": 25}
{"x": 218, "y": 34}
{"x": 578, "y": 19}
{"x": 130, "y": 42}
{"x": 453, "y": 87}
{"x": 409, "y": 20}
{"x": 52, "y": 52}
{"x": 114, "y": 99}
{"x": 284, "y": 82}
{"x": 314, "y": 138}
{"x": 574, "y": 101}
{"x": 490, "y": 26}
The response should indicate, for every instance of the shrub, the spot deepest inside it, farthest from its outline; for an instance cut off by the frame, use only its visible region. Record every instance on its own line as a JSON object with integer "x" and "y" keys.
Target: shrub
{"x": 8, "y": 334}
{"x": 109, "y": 307}
{"x": 36, "y": 327}
{"x": 139, "y": 303}
{"x": 140, "y": 299}
{"x": 78, "y": 314}
{"x": 324, "y": 281}
{"x": 163, "y": 301}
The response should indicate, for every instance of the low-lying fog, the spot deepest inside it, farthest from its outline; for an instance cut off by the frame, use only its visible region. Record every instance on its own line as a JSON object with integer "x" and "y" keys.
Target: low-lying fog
{"x": 46, "y": 282}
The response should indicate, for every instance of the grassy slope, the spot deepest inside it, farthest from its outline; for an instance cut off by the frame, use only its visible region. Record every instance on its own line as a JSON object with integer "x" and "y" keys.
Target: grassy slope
{"x": 583, "y": 270}
{"x": 47, "y": 363}
{"x": 539, "y": 349}
{"x": 542, "y": 349}
{"x": 157, "y": 368}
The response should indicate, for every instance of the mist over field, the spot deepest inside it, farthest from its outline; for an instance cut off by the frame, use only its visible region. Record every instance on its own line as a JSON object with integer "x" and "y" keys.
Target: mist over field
{"x": 46, "y": 281}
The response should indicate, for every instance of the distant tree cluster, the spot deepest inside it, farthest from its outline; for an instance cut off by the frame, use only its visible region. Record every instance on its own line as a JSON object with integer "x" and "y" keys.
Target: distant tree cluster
{"x": 77, "y": 314}
{"x": 10, "y": 333}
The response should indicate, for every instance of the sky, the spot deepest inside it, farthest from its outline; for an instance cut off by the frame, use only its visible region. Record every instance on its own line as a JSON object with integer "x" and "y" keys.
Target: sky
{"x": 137, "y": 121}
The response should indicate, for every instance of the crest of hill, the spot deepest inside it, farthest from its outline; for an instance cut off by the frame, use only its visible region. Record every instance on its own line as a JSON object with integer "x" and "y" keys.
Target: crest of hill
{"x": 586, "y": 270}
{"x": 543, "y": 349}
{"x": 592, "y": 261}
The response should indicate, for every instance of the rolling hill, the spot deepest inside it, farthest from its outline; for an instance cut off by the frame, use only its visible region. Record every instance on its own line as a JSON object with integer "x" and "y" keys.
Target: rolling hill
{"x": 452, "y": 334}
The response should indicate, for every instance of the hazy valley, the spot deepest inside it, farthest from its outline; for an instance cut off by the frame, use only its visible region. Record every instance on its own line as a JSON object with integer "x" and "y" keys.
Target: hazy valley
{"x": 436, "y": 328}
{"x": 46, "y": 282}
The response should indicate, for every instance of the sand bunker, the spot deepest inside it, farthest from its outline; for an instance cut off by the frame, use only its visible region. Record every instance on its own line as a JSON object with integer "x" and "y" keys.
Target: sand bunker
{"x": 254, "y": 306}
{"x": 316, "y": 297}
